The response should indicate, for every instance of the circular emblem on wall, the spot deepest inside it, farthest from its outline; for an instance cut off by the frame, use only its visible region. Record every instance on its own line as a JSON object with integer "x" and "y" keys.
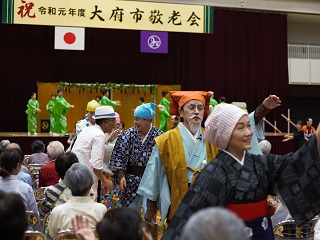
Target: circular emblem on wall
{"x": 154, "y": 42}
{"x": 45, "y": 125}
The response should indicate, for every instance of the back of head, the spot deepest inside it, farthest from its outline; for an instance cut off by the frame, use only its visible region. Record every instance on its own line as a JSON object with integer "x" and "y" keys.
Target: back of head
{"x": 4, "y": 144}
{"x": 11, "y": 146}
{"x": 54, "y": 149}
{"x": 121, "y": 224}
{"x": 64, "y": 162}
{"x": 38, "y": 146}
{"x": 9, "y": 159}
{"x": 79, "y": 179}
{"x": 13, "y": 218}
{"x": 265, "y": 146}
{"x": 214, "y": 223}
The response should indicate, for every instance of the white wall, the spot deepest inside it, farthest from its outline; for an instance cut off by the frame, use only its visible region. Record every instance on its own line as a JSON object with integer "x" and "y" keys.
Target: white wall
{"x": 304, "y": 33}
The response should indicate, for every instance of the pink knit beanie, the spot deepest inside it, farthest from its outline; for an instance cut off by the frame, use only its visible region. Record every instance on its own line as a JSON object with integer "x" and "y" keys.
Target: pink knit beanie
{"x": 221, "y": 123}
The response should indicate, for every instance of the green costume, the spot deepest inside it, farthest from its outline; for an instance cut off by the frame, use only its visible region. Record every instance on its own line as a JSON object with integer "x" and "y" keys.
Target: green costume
{"x": 213, "y": 103}
{"x": 60, "y": 111}
{"x": 32, "y": 115}
{"x": 105, "y": 101}
{"x": 49, "y": 105}
{"x": 164, "y": 114}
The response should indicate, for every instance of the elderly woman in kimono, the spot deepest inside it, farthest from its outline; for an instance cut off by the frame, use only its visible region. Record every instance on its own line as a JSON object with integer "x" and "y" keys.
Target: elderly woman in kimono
{"x": 241, "y": 181}
{"x": 32, "y": 113}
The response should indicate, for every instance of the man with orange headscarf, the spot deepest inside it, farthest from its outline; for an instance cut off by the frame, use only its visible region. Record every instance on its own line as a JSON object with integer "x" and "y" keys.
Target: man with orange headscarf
{"x": 178, "y": 156}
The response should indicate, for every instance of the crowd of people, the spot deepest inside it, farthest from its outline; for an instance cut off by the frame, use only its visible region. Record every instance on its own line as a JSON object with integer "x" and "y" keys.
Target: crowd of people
{"x": 194, "y": 176}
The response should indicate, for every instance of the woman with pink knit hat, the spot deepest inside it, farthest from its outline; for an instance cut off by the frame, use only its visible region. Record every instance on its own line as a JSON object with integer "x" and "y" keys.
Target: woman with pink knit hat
{"x": 241, "y": 181}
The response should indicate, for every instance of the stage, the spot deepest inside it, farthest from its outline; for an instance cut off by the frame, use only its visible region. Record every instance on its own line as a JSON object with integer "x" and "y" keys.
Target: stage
{"x": 277, "y": 146}
{"x": 25, "y": 140}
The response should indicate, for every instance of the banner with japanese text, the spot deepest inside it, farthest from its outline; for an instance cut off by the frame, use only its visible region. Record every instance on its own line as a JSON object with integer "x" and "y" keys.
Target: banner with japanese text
{"x": 134, "y": 15}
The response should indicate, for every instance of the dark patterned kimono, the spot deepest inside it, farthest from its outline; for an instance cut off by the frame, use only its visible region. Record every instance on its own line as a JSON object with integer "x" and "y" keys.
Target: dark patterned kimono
{"x": 225, "y": 181}
{"x": 130, "y": 151}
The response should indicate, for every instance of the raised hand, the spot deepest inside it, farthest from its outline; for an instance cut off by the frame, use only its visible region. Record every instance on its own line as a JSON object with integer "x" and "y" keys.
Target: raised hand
{"x": 272, "y": 102}
{"x": 82, "y": 228}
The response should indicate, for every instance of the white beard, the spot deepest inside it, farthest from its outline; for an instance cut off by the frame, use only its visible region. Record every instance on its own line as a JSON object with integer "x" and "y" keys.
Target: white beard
{"x": 194, "y": 128}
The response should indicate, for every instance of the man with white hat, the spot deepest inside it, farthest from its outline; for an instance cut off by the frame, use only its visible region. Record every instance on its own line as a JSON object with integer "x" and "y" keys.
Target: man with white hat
{"x": 88, "y": 120}
{"x": 131, "y": 154}
{"x": 91, "y": 141}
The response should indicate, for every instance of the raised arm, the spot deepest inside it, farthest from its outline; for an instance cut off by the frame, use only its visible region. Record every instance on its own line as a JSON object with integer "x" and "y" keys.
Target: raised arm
{"x": 265, "y": 107}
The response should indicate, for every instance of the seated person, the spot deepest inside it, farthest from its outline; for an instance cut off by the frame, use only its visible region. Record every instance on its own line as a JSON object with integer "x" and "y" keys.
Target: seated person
{"x": 47, "y": 174}
{"x": 4, "y": 144}
{"x": 38, "y": 157}
{"x": 13, "y": 217}
{"x": 112, "y": 226}
{"x": 59, "y": 193}
{"x": 79, "y": 180}
{"x": 10, "y": 165}
{"x": 216, "y": 223}
{"x": 265, "y": 146}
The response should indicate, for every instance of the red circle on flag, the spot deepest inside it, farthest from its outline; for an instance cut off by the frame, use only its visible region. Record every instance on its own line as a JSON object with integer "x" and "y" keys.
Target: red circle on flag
{"x": 69, "y": 38}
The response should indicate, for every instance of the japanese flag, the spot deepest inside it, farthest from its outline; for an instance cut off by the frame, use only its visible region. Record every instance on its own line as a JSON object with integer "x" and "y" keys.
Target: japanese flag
{"x": 69, "y": 38}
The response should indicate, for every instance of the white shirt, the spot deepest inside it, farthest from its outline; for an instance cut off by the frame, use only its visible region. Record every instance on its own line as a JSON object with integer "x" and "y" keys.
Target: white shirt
{"x": 83, "y": 123}
{"x": 89, "y": 147}
{"x": 61, "y": 216}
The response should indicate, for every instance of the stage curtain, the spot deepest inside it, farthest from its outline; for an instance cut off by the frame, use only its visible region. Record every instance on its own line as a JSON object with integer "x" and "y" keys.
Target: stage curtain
{"x": 245, "y": 59}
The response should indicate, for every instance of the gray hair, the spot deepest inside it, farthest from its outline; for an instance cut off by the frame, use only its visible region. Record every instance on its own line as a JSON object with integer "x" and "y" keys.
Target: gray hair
{"x": 4, "y": 144}
{"x": 265, "y": 146}
{"x": 12, "y": 145}
{"x": 79, "y": 179}
{"x": 54, "y": 149}
{"x": 214, "y": 223}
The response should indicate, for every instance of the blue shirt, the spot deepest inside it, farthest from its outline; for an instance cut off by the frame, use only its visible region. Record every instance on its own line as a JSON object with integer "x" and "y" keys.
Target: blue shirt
{"x": 13, "y": 184}
{"x": 25, "y": 177}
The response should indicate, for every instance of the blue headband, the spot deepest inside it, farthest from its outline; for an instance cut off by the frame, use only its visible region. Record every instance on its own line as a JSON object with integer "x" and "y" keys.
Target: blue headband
{"x": 145, "y": 111}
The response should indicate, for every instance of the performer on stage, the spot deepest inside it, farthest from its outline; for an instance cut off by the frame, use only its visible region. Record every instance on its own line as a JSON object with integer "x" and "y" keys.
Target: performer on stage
{"x": 60, "y": 110}
{"x": 213, "y": 102}
{"x": 241, "y": 181}
{"x": 49, "y": 108}
{"x": 164, "y": 108}
{"x": 32, "y": 114}
{"x": 105, "y": 100}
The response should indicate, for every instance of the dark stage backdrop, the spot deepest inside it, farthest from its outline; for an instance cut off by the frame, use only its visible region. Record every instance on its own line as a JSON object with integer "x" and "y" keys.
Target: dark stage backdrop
{"x": 245, "y": 60}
